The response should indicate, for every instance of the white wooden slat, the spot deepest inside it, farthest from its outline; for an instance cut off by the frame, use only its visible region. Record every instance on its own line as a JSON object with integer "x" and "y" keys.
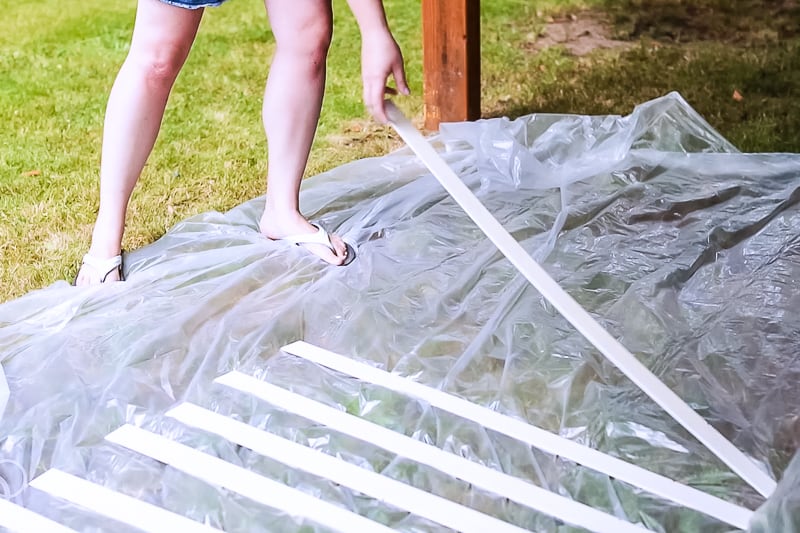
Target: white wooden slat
{"x": 418, "y": 502}
{"x": 18, "y": 519}
{"x": 577, "y": 315}
{"x": 220, "y": 473}
{"x": 115, "y": 505}
{"x": 666, "y": 488}
{"x": 513, "y": 488}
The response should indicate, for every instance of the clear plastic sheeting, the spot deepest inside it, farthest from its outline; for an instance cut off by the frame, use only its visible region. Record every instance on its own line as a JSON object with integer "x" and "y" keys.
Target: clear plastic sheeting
{"x": 782, "y": 510}
{"x": 685, "y": 249}
{"x": 3, "y": 392}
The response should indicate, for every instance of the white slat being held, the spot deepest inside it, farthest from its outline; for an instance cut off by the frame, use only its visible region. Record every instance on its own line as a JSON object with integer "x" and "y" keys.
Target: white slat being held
{"x": 577, "y": 315}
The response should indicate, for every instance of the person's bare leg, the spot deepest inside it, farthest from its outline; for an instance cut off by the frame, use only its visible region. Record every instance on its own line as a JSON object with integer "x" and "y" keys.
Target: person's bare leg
{"x": 162, "y": 37}
{"x": 292, "y": 102}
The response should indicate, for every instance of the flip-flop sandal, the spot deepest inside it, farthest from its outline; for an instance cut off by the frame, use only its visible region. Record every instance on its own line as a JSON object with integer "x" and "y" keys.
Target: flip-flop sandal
{"x": 321, "y": 237}
{"x": 104, "y": 267}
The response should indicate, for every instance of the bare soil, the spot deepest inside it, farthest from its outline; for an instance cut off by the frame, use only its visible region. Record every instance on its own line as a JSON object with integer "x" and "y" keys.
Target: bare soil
{"x": 579, "y": 34}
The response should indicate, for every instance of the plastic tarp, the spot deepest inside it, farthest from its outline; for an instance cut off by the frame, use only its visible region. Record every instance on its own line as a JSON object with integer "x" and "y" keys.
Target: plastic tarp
{"x": 685, "y": 249}
{"x": 3, "y": 391}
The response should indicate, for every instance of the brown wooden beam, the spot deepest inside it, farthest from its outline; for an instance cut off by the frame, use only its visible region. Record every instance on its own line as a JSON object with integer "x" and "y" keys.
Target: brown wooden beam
{"x": 451, "y": 61}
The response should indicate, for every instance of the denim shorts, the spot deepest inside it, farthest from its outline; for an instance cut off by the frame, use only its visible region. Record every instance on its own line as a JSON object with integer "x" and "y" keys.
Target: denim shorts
{"x": 194, "y": 4}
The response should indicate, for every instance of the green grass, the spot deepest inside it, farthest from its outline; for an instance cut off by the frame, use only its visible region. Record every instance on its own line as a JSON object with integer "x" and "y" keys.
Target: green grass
{"x": 57, "y": 64}
{"x": 705, "y": 50}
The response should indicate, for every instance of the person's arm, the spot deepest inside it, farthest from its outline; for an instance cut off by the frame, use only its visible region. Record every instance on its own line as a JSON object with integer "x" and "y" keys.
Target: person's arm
{"x": 380, "y": 56}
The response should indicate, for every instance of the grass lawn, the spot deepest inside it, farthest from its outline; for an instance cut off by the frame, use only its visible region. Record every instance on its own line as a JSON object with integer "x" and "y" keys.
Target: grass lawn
{"x": 57, "y": 63}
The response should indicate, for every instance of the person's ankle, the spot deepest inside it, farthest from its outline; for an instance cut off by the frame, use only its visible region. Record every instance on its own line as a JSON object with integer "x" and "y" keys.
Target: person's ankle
{"x": 281, "y": 215}
{"x": 107, "y": 234}
{"x": 104, "y": 250}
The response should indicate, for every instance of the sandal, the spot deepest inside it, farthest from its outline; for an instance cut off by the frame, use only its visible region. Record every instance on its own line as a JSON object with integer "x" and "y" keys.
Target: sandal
{"x": 104, "y": 267}
{"x": 321, "y": 237}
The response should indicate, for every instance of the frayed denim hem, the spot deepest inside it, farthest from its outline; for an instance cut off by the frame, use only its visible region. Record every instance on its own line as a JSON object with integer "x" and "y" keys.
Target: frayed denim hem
{"x": 193, "y": 5}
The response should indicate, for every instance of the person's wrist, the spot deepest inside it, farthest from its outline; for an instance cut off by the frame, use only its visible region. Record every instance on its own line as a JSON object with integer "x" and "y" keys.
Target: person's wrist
{"x": 376, "y": 34}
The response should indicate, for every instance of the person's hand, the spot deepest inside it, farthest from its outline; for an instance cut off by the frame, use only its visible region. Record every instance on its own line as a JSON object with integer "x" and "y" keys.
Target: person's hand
{"x": 380, "y": 58}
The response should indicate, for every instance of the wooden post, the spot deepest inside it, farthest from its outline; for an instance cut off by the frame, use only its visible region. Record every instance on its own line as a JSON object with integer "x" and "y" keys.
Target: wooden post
{"x": 451, "y": 61}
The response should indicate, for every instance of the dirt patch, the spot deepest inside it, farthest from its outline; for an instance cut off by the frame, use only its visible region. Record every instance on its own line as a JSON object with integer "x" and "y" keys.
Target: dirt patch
{"x": 579, "y": 34}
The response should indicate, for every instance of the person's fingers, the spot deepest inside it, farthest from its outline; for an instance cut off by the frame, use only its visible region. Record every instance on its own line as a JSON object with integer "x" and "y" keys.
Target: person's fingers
{"x": 399, "y": 73}
{"x": 373, "y": 97}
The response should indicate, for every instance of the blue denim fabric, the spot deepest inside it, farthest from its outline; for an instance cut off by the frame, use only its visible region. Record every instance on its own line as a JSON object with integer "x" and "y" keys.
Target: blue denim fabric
{"x": 194, "y": 4}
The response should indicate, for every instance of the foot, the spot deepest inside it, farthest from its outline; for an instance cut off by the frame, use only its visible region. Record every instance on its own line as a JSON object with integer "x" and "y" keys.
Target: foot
{"x": 278, "y": 228}
{"x": 95, "y": 270}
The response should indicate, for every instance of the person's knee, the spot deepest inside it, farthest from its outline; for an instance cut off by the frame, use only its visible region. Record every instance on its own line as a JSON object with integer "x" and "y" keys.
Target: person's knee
{"x": 159, "y": 65}
{"x": 319, "y": 39}
{"x": 311, "y": 41}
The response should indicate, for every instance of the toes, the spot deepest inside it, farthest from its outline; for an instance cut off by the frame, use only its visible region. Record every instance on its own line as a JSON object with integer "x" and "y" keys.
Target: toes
{"x": 333, "y": 258}
{"x": 340, "y": 248}
{"x": 324, "y": 252}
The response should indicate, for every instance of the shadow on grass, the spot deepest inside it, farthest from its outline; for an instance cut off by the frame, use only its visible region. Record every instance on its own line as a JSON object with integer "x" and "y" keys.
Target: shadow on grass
{"x": 730, "y": 21}
{"x": 736, "y": 62}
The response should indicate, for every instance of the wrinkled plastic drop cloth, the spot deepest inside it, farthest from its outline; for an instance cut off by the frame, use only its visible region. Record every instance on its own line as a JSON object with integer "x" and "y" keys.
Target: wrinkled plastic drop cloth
{"x": 3, "y": 392}
{"x": 685, "y": 249}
